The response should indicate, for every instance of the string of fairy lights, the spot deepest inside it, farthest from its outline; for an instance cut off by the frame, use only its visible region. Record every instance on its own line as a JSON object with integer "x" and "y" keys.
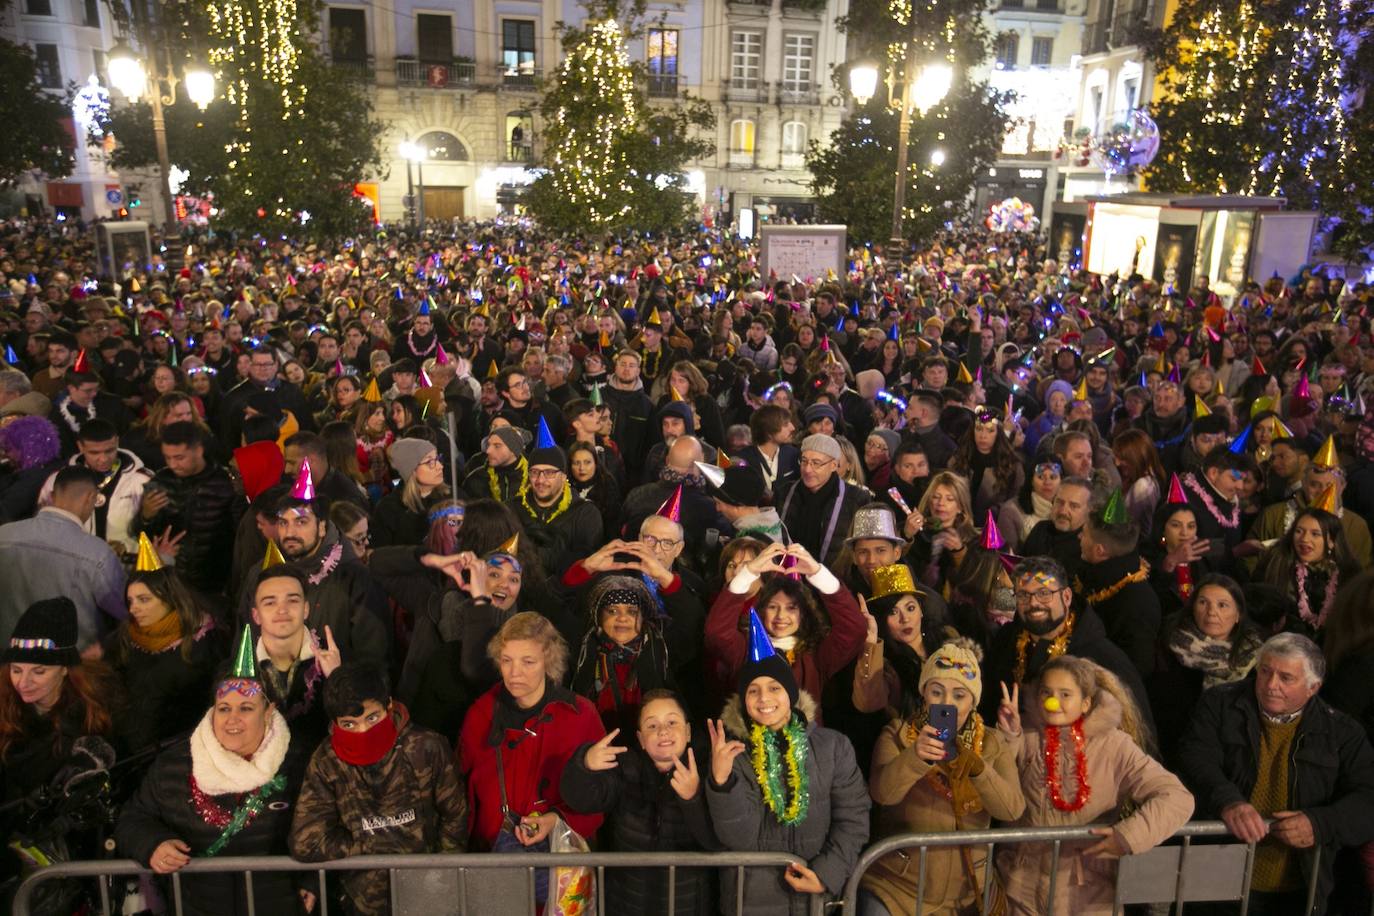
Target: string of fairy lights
{"x": 928, "y": 45}
{"x": 255, "y": 50}
{"x": 590, "y": 161}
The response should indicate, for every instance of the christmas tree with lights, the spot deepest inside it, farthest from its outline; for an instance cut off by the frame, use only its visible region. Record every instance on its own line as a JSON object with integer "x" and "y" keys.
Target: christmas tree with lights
{"x": 613, "y": 162}
{"x": 1257, "y": 99}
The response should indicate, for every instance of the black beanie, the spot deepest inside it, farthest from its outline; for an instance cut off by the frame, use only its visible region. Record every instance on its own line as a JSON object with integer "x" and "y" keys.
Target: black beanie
{"x": 774, "y": 666}
{"x": 45, "y": 635}
{"x": 551, "y": 456}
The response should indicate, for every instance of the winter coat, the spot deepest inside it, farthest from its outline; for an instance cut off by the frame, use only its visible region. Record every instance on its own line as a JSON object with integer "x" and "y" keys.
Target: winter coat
{"x": 41, "y": 750}
{"x": 727, "y": 637}
{"x": 910, "y": 801}
{"x": 1349, "y": 688}
{"x": 788, "y": 464}
{"x": 448, "y": 663}
{"x": 632, "y": 411}
{"x": 288, "y": 397}
{"x": 1330, "y": 770}
{"x": 411, "y": 801}
{"x": 207, "y": 506}
{"x": 1119, "y": 772}
{"x": 830, "y": 838}
{"x": 19, "y": 490}
{"x": 532, "y": 759}
{"x": 645, "y": 814}
{"x": 345, "y": 599}
{"x": 852, "y": 498}
{"x": 165, "y": 689}
{"x": 1089, "y": 640}
{"x": 162, "y": 809}
{"x": 509, "y": 480}
{"x": 393, "y": 523}
{"x": 574, "y": 534}
{"x": 1131, "y": 615}
{"x": 764, "y": 356}
{"x": 121, "y": 503}
{"x": 698, "y": 510}
{"x": 1048, "y": 541}
{"x": 1015, "y": 524}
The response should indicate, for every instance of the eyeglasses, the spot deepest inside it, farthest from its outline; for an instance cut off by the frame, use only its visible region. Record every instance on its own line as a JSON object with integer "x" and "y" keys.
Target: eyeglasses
{"x": 816, "y": 463}
{"x": 431, "y": 461}
{"x": 523, "y": 383}
{"x": 1025, "y": 599}
{"x": 544, "y": 473}
{"x": 665, "y": 543}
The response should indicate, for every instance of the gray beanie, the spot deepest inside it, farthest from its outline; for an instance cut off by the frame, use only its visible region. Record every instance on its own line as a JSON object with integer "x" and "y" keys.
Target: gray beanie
{"x": 823, "y": 444}
{"x": 891, "y": 438}
{"x": 514, "y": 439}
{"x": 406, "y": 454}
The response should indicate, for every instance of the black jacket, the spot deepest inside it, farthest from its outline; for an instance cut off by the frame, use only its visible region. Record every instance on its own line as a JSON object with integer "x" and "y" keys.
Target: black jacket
{"x": 1330, "y": 770}
{"x": 393, "y": 524}
{"x": 792, "y": 520}
{"x": 207, "y": 507}
{"x": 162, "y": 810}
{"x": 1045, "y": 540}
{"x": 289, "y": 397}
{"x": 646, "y": 815}
{"x": 632, "y": 411}
{"x": 165, "y": 690}
{"x": 1131, "y": 615}
{"x": 574, "y": 534}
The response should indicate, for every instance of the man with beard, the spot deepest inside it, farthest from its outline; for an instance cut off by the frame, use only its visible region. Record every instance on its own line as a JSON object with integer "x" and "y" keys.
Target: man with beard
{"x": 523, "y": 409}
{"x": 563, "y": 526}
{"x": 121, "y": 478}
{"x": 420, "y": 342}
{"x": 504, "y": 472}
{"x": 910, "y": 475}
{"x": 341, "y": 594}
{"x": 1057, "y": 536}
{"x": 1166, "y": 422}
{"x": 1046, "y": 627}
{"x": 632, "y": 410}
{"x": 1215, "y": 497}
{"x": 482, "y": 351}
{"x": 61, "y": 352}
{"x": 656, "y": 357}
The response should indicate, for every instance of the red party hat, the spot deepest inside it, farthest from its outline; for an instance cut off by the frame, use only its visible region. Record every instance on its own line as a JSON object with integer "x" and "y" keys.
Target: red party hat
{"x": 992, "y": 538}
{"x": 304, "y": 488}
{"x": 1176, "y": 496}
{"x": 672, "y": 506}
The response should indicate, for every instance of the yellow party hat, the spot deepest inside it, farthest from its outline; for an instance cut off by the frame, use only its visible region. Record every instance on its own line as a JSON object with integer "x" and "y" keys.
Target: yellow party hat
{"x": 1326, "y": 457}
{"x": 372, "y": 394}
{"x": 148, "y": 560}
{"x": 273, "y": 556}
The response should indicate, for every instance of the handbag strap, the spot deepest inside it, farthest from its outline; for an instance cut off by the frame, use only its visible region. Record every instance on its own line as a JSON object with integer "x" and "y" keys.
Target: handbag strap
{"x": 501, "y": 780}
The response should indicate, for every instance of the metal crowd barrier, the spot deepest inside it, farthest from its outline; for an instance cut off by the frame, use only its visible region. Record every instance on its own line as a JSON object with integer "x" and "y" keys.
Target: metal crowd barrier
{"x": 1189, "y": 874}
{"x": 462, "y": 862}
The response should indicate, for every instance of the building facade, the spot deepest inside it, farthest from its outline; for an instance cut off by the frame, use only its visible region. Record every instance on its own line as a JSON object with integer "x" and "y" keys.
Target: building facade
{"x": 462, "y": 84}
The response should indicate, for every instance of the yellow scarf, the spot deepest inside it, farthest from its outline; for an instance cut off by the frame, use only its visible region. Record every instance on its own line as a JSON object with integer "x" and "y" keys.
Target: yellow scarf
{"x": 157, "y": 637}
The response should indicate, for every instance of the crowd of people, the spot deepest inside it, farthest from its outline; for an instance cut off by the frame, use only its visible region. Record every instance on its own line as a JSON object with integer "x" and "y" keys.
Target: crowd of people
{"x": 505, "y": 542}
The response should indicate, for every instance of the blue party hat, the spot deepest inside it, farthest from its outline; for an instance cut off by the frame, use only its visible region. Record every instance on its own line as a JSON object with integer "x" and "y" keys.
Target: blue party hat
{"x": 1238, "y": 446}
{"x": 545, "y": 438}
{"x": 1157, "y": 330}
{"x": 10, "y": 356}
{"x": 424, "y": 307}
{"x": 894, "y": 333}
{"x": 760, "y": 646}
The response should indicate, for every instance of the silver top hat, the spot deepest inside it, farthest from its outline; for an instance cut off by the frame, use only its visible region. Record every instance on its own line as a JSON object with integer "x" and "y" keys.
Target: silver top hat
{"x": 874, "y": 521}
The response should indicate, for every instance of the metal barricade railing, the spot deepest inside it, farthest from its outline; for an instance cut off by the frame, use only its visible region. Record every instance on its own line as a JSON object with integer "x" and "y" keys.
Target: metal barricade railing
{"x": 463, "y": 863}
{"x": 1147, "y": 871}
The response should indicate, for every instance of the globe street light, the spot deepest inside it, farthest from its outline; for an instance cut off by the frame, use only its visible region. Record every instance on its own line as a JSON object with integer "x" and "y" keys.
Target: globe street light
{"x": 920, "y": 91}
{"x": 863, "y": 81}
{"x": 200, "y": 87}
{"x": 126, "y": 72}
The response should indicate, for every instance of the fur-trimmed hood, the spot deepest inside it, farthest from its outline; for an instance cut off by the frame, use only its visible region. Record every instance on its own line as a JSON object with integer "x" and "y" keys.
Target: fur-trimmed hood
{"x": 1104, "y": 715}
{"x": 732, "y": 715}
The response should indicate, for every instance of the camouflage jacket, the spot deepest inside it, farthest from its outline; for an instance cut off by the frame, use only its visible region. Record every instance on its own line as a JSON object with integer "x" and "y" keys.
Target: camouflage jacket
{"x": 411, "y": 801}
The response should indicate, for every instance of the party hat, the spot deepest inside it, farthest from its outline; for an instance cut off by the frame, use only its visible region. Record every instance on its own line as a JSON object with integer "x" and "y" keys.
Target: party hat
{"x": 492, "y": 371}
{"x": 1327, "y": 501}
{"x": 1238, "y": 446}
{"x": 1281, "y": 430}
{"x": 544, "y": 438}
{"x": 440, "y": 357}
{"x": 10, "y": 356}
{"x": 963, "y": 377}
{"x": 894, "y": 332}
{"x": 1081, "y": 392}
{"x": 82, "y": 364}
{"x": 788, "y": 562}
{"x": 595, "y": 396}
{"x": 1303, "y": 389}
{"x": 273, "y": 556}
{"x": 424, "y": 307}
{"x": 604, "y": 340}
{"x": 825, "y": 344}
{"x": 1157, "y": 330}
{"x": 340, "y": 368}
{"x": 133, "y": 285}
{"x": 714, "y": 475}
{"x": 723, "y": 460}
{"x": 1261, "y": 404}
{"x": 1176, "y": 496}
{"x": 992, "y": 538}
{"x": 1200, "y": 409}
{"x": 654, "y": 318}
{"x": 510, "y": 546}
{"x": 674, "y": 392}
{"x": 1160, "y": 366}
{"x": 760, "y": 646}
{"x": 1257, "y": 367}
{"x": 245, "y": 659}
{"x": 148, "y": 560}
{"x": 304, "y": 488}
{"x": 1326, "y": 457}
{"x": 672, "y": 506}
{"x": 1114, "y": 513}
{"x": 372, "y": 394}
{"x": 1009, "y": 561}
{"x": 1173, "y": 374}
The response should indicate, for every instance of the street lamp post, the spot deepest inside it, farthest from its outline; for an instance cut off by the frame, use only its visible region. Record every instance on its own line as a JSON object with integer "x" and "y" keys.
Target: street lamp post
{"x": 413, "y": 152}
{"x": 128, "y": 75}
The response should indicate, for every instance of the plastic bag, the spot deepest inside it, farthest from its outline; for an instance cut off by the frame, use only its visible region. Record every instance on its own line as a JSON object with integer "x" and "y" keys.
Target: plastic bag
{"x": 572, "y": 891}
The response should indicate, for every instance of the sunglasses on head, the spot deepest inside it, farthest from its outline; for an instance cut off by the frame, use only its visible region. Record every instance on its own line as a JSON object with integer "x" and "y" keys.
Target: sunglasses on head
{"x": 963, "y": 668}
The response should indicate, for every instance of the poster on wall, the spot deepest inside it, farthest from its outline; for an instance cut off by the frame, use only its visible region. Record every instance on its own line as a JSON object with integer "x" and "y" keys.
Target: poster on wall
{"x": 808, "y": 252}
{"x": 1175, "y": 251}
{"x": 1066, "y": 238}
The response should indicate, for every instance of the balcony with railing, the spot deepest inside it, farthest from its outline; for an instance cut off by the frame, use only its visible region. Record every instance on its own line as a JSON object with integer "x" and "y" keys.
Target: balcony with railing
{"x": 458, "y": 72}
{"x": 803, "y": 7}
{"x": 799, "y": 94}
{"x": 358, "y": 67}
{"x": 524, "y": 78}
{"x": 663, "y": 85}
{"x": 1122, "y": 30}
{"x": 741, "y": 158}
{"x": 1038, "y": 6}
{"x": 746, "y": 90}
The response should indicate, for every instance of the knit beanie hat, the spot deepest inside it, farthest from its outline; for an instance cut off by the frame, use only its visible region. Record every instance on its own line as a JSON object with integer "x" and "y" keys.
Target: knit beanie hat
{"x": 956, "y": 660}
{"x": 822, "y": 444}
{"x": 513, "y": 438}
{"x": 891, "y": 438}
{"x": 762, "y": 660}
{"x": 406, "y": 454}
{"x": 620, "y": 590}
{"x": 45, "y": 635}
{"x": 550, "y": 456}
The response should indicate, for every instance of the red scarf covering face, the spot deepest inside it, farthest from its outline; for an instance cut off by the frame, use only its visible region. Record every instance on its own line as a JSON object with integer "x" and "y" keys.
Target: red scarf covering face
{"x": 366, "y": 748}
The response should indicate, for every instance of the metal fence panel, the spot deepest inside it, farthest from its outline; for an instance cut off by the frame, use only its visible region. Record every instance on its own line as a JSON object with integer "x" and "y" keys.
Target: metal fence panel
{"x": 1186, "y": 874}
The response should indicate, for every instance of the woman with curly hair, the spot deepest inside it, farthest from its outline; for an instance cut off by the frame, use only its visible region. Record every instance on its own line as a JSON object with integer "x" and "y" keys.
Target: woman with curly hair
{"x": 986, "y": 458}
{"x": 33, "y": 450}
{"x": 1309, "y": 563}
{"x": 814, "y": 647}
{"x": 686, "y": 383}
{"x": 901, "y": 636}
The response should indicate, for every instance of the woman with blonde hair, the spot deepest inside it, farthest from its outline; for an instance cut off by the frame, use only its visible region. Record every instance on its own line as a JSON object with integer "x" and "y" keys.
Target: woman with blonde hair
{"x": 518, "y": 737}
{"x": 946, "y": 529}
{"x": 1082, "y": 756}
{"x": 402, "y": 516}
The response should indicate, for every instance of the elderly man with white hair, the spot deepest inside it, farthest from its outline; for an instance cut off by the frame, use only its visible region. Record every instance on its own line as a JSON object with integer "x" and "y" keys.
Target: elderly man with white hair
{"x": 1283, "y": 769}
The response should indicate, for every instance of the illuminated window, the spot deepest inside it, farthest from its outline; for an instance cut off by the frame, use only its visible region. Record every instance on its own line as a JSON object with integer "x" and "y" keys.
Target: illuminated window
{"x": 742, "y": 136}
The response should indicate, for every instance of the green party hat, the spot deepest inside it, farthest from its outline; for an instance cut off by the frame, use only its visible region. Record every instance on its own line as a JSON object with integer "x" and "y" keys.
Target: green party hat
{"x": 245, "y": 660}
{"x": 1114, "y": 513}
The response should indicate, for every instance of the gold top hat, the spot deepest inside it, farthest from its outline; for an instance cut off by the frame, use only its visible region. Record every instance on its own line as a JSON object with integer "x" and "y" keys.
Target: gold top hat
{"x": 892, "y": 580}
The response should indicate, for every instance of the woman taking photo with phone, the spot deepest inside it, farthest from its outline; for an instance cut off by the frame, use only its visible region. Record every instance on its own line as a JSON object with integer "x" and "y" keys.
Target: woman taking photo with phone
{"x": 938, "y": 768}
